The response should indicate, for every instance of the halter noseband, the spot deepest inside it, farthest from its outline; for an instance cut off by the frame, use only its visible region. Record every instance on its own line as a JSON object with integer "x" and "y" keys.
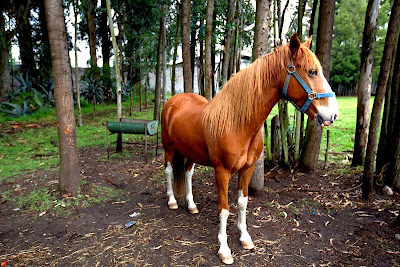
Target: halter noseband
{"x": 311, "y": 95}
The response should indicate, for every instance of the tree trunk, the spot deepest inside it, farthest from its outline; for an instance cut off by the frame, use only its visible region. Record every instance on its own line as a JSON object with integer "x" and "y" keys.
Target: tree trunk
{"x": 78, "y": 94}
{"x": 116, "y": 63}
{"x": 164, "y": 72}
{"x": 161, "y": 39}
{"x": 312, "y": 142}
{"x": 208, "y": 48}
{"x": 364, "y": 82}
{"x": 391, "y": 36}
{"x": 24, "y": 34}
{"x": 298, "y": 114}
{"x": 200, "y": 73}
{"x": 92, "y": 32}
{"x": 187, "y": 69}
{"x": 69, "y": 173}
{"x": 260, "y": 48}
{"x": 45, "y": 57}
{"x": 192, "y": 53}
{"x": 146, "y": 90}
{"x": 228, "y": 40}
{"x": 105, "y": 34}
{"x": 276, "y": 147}
{"x": 120, "y": 20}
{"x": 176, "y": 42}
{"x": 5, "y": 43}
{"x": 387, "y": 133}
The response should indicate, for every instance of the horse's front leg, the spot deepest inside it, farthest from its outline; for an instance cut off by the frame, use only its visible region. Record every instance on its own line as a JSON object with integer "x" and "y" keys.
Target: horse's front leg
{"x": 189, "y": 195}
{"x": 222, "y": 181}
{"x": 244, "y": 180}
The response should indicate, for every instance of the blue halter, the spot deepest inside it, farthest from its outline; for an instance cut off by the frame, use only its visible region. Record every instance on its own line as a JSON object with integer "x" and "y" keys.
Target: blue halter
{"x": 311, "y": 95}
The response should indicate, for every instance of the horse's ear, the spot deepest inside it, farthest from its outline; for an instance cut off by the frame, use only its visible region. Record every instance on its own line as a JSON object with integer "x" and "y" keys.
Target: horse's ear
{"x": 294, "y": 44}
{"x": 308, "y": 42}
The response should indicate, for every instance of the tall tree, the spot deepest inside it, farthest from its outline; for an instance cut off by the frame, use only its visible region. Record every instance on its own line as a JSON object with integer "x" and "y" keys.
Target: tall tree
{"x": 208, "y": 47}
{"x": 5, "y": 44}
{"x": 69, "y": 173}
{"x": 187, "y": 69}
{"x": 161, "y": 45}
{"x": 176, "y": 42}
{"x": 116, "y": 64}
{"x": 92, "y": 32}
{"x": 310, "y": 152}
{"x": 365, "y": 81}
{"x": 228, "y": 41}
{"x": 24, "y": 35}
{"x": 104, "y": 34}
{"x": 78, "y": 94}
{"x": 392, "y": 178}
{"x": 260, "y": 48}
{"x": 390, "y": 43}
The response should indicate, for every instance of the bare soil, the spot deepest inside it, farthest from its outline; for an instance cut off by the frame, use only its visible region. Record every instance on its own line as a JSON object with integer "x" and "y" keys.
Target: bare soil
{"x": 301, "y": 219}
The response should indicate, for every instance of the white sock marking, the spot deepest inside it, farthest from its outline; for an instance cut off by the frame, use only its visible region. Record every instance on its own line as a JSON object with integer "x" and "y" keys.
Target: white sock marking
{"x": 222, "y": 237}
{"x": 189, "y": 194}
{"x": 242, "y": 204}
{"x": 170, "y": 191}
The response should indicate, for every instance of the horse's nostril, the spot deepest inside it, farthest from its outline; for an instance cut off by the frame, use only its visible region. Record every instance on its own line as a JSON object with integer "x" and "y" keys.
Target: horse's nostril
{"x": 334, "y": 117}
{"x": 320, "y": 119}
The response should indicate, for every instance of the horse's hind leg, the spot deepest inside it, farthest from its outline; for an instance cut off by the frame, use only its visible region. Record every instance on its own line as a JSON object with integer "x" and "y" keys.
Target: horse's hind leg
{"x": 172, "y": 204}
{"x": 189, "y": 195}
{"x": 244, "y": 180}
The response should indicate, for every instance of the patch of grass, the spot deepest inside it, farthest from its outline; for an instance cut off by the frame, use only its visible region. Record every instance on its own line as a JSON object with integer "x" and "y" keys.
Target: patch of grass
{"x": 45, "y": 200}
{"x": 29, "y": 149}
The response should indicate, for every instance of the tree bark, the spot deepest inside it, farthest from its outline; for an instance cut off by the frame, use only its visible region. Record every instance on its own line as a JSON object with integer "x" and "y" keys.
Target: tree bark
{"x": 228, "y": 41}
{"x": 5, "y": 43}
{"x": 24, "y": 34}
{"x": 364, "y": 82}
{"x": 391, "y": 37}
{"x": 78, "y": 93}
{"x": 116, "y": 63}
{"x": 176, "y": 42}
{"x": 105, "y": 34}
{"x": 69, "y": 173}
{"x": 312, "y": 142}
{"x": 260, "y": 48}
{"x": 92, "y": 32}
{"x": 164, "y": 72}
{"x": 208, "y": 48}
{"x": 161, "y": 39}
{"x": 187, "y": 69}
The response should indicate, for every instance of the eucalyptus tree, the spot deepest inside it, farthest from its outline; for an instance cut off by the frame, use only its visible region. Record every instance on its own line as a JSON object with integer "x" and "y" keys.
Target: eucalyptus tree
{"x": 69, "y": 172}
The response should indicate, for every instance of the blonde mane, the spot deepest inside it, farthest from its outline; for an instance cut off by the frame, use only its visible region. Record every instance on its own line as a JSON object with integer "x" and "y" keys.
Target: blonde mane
{"x": 240, "y": 98}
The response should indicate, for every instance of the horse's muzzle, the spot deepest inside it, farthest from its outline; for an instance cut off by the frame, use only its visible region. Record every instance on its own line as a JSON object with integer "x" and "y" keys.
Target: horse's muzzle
{"x": 322, "y": 121}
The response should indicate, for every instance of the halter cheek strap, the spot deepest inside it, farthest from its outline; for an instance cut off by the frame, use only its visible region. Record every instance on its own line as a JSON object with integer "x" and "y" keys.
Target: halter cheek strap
{"x": 311, "y": 95}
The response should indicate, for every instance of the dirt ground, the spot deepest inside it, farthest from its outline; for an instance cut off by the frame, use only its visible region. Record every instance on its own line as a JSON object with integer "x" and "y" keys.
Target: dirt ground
{"x": 313, "y": 220}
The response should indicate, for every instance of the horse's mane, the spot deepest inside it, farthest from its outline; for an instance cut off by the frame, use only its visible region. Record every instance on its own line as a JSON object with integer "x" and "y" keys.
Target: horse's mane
{"x": 240, "y": 98}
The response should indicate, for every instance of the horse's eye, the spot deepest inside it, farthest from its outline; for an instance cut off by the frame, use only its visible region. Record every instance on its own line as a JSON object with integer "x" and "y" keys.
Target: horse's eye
{"x": 313, "y": 72}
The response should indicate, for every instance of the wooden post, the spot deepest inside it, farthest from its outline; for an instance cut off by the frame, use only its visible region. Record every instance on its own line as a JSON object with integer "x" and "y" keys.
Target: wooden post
{"x": 327, "y": 148}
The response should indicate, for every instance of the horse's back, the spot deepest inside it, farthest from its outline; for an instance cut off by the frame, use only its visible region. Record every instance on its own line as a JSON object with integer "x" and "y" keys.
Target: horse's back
{"x": 181, "y": 126}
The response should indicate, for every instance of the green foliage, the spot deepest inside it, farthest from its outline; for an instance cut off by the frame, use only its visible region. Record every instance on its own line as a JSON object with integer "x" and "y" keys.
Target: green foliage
{"x": 28, "y": 97}
{"x": 346, "y": 44}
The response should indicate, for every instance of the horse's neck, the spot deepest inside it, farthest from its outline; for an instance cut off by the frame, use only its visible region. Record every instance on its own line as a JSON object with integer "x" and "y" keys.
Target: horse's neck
{"x": 270, "y": 98}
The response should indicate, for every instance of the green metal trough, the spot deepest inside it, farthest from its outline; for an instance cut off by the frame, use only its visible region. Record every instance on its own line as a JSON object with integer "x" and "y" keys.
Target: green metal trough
{"x": 133, "y": 126}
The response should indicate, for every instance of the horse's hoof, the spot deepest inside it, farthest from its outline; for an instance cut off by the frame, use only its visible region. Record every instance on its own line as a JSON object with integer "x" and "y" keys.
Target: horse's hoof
{"x": 227, "y": 259}
{"x": 173, "y": 206}
{"x": 247, "y": 244}
{"x": 193, "y": 210}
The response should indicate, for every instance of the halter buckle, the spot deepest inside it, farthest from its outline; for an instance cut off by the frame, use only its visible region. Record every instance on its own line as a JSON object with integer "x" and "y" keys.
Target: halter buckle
{"x": 312, "y": 95}
{"x": 290, "y": 69}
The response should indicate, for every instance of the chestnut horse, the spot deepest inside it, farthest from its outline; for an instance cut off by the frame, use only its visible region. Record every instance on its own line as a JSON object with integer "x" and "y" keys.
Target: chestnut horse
{"x": 225, "y": 132}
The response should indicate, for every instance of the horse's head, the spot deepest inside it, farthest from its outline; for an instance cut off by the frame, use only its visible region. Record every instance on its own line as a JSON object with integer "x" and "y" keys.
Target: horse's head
{"x": 306, "y": 86}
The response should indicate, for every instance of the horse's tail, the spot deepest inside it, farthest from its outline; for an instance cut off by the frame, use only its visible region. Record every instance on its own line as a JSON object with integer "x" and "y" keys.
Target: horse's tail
{"x": 178, "y": 165}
